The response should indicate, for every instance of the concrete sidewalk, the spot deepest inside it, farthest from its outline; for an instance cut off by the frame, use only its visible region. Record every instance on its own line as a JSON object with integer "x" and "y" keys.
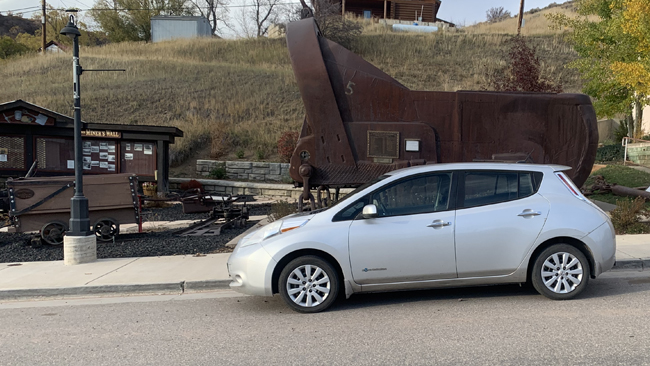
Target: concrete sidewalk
{"x": 180, "y": 274}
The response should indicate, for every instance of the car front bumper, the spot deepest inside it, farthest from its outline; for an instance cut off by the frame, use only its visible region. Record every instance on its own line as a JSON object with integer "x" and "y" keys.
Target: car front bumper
{"x": 250, "y": 269}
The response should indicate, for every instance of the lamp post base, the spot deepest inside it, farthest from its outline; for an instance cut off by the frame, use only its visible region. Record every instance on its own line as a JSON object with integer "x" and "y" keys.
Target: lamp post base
{"x": 79, "y": 249}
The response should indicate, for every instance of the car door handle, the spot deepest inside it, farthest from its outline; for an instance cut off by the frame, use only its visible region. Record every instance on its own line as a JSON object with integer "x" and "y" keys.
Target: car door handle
{"x": 527, "y": 213}
{"x": 439, "y": 223}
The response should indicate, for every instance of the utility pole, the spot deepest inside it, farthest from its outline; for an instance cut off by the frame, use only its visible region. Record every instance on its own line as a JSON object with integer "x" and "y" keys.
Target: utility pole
{"x": 44, "y": 36}
{"x": 521, "y": 17}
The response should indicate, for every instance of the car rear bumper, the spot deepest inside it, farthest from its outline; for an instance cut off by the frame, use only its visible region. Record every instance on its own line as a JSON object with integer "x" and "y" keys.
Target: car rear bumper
{"x": 602, "y": 243}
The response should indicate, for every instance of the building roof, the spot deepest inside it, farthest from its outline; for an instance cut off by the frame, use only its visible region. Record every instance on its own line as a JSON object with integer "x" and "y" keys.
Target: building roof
{"x": 65, "y": 121}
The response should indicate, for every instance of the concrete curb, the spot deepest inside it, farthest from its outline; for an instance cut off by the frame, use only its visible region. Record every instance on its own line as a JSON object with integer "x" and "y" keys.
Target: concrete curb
{"x": 174, "y": 288}
{"x": 632, "y": 265}
{"x": 186, "y": 287}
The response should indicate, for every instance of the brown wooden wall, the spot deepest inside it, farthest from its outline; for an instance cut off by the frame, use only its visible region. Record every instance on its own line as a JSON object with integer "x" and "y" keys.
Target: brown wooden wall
{"x": 401, "y": 10}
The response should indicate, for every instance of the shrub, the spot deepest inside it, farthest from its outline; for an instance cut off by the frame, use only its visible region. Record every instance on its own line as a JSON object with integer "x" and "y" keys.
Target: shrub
{"x": 260, "y": 154}
{"x": 287, "y": 144}
{"x": 621, "y": 131}
{"x": 240, "y": 154}
{"x": 610, "y": 153}
{"x": 625, "y": 216}
{"x": 523, "y": 73}
{"x": 192, "y": 184}
{"x": 218, "y": 173}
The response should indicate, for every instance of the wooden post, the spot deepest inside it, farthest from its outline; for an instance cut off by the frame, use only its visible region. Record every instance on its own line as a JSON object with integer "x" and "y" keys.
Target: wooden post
{"x": 385, "y": 8}
{"x": 44, "y": 31}
{"x": 521, "y": 17}
{"x": 343, "y": 7}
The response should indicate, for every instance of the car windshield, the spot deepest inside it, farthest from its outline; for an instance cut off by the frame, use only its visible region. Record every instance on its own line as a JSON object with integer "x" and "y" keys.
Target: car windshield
{"x": 358, "y": 189}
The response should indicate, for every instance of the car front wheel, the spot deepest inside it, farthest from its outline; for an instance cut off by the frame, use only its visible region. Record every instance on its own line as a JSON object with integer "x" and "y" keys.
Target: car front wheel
{"x": 309, "y": 284}
{"x": 560, "y": 272}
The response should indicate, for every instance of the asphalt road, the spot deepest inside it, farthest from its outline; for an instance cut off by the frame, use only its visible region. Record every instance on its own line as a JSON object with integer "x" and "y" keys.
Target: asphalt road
{"x": 504, "y": 325}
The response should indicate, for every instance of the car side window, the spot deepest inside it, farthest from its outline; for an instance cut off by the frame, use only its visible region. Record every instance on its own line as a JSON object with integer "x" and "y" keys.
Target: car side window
{"x": 489, "y": 187}
{"x": 420, "y": 194}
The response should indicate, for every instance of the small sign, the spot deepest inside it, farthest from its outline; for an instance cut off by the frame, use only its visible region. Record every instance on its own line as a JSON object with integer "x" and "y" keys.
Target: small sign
{"x": 128, "y": 156}
{"x": 93, "y": 133}
{"x": 148, "y": 149}
{"x": 111, "y": 158}
{"x": 128, "y": 147}
{"x": 70, "y": 164}
{"x": 103, "y": 164}
{"x": 103, "y": 156}
{"x": 41, "y": 119}
{"x": 412, "y": 145}
{"x": 111, "y": 167}
{"x": 137, "y": 147}
{"x": 3, "y": 157}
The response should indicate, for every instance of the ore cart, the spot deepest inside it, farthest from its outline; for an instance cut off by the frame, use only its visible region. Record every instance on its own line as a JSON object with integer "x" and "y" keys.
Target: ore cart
{"x": 43, "y": 204}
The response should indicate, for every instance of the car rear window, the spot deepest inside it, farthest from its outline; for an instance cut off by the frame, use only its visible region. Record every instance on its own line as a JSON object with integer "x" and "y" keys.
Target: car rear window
{"x": 488, "y": 187}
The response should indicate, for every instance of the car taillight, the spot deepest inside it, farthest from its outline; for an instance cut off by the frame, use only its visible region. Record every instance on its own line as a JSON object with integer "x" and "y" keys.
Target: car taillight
{"x": 570, "y": 186}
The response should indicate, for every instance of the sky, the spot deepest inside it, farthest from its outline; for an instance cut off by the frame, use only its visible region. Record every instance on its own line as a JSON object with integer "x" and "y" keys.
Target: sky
{"x": 461, "y": 12}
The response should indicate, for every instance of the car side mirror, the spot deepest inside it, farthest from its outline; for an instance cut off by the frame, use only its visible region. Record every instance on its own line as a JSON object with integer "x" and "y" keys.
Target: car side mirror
{"x": 369, "y": 211}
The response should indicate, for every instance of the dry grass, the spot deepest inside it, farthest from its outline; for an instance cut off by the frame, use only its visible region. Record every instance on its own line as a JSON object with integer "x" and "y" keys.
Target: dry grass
{"x": 246, "y": 87}
{"x": 535, "y": 24}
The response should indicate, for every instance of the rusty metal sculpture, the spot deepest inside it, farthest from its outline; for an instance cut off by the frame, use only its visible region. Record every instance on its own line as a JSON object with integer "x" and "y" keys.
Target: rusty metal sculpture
{"x": 362, "y": 123}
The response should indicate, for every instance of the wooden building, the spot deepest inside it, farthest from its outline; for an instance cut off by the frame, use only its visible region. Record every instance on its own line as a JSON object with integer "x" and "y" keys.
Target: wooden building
{"x": 398, "y": 9}
{"x": 29, "y": 132}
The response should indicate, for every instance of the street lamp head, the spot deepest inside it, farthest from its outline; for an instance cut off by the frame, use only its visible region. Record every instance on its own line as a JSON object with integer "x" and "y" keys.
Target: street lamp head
{"x": 71, "y": 30}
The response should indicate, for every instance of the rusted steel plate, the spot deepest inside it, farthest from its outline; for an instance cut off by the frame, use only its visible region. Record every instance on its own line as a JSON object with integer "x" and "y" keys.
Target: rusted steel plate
{"x": 362, "y": 123}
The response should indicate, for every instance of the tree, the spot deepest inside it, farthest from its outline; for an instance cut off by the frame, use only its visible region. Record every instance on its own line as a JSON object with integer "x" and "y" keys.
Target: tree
{"x": 612, "y": 55}
{"x": 256, "y": 16}
{"x": 635, "y": 74}
{"x": 215, "y": 11}
{"x": 9, "y": 47}
{"x": 523, "y": 72}
{"x": 130, "y": 20}
{"x": 332, "y": 25}
{"x": 495, "y": 15}
{"x": 55, "y": 21}
{"x": 265, "y": 13}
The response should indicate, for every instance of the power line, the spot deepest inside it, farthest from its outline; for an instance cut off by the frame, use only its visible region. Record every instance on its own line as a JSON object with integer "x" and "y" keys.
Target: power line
{"x": 15, "y": 10}
{"x": 142, "y": 9}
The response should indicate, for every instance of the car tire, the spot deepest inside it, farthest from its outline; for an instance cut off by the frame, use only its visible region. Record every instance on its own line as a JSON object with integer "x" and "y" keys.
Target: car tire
{"x": 560, "y": 272}
{"x": 309, "y": 284}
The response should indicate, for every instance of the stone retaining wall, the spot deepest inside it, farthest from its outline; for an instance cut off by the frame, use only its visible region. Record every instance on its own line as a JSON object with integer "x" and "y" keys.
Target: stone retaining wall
{"x": 259, "y": 171}
{"x": 273, "y": 190}
{"x": 248, "y": 188}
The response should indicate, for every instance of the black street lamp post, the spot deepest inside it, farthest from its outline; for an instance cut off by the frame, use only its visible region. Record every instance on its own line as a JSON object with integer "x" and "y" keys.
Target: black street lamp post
{"x": 79, "y": 220}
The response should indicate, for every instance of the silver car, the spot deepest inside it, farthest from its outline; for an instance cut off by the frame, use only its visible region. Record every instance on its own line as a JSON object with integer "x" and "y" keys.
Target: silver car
{"x": 440, "y": 225}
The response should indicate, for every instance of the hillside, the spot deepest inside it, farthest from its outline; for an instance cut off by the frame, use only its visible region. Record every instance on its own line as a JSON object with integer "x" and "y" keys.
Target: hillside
{"x": 243, "y": 92}
{"x": 13, "y": 25}
{"x": 535, "y": 23}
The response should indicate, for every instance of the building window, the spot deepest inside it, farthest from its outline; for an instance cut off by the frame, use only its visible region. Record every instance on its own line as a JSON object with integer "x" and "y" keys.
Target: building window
{"x": 367, "y": 14}
{"x": 12, "y": 152}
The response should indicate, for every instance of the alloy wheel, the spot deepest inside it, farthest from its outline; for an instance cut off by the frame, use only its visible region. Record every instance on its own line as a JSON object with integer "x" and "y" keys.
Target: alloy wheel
{"x": 308, "y": 285}
{"x": 562, "y": 272}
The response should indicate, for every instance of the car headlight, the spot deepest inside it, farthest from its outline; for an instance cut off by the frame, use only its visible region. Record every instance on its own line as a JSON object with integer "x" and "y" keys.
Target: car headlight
{"x": 273, "y": 229}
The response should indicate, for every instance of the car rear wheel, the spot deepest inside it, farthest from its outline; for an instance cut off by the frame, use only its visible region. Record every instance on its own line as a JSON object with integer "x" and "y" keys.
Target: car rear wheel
{"x": 560, "y": 272}
{"x": 309, "y": 284}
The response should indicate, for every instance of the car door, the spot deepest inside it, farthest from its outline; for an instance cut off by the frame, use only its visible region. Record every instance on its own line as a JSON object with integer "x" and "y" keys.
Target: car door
{"x": 498, "y": 219}
{"x": 412, "y": 237}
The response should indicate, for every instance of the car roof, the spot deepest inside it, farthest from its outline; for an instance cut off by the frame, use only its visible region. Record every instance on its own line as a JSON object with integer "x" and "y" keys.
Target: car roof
{"x": 477, "y": 166}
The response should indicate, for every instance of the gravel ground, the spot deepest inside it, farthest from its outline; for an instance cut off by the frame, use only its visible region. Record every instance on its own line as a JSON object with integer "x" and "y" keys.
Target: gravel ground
{"x": 15, "y": 247}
